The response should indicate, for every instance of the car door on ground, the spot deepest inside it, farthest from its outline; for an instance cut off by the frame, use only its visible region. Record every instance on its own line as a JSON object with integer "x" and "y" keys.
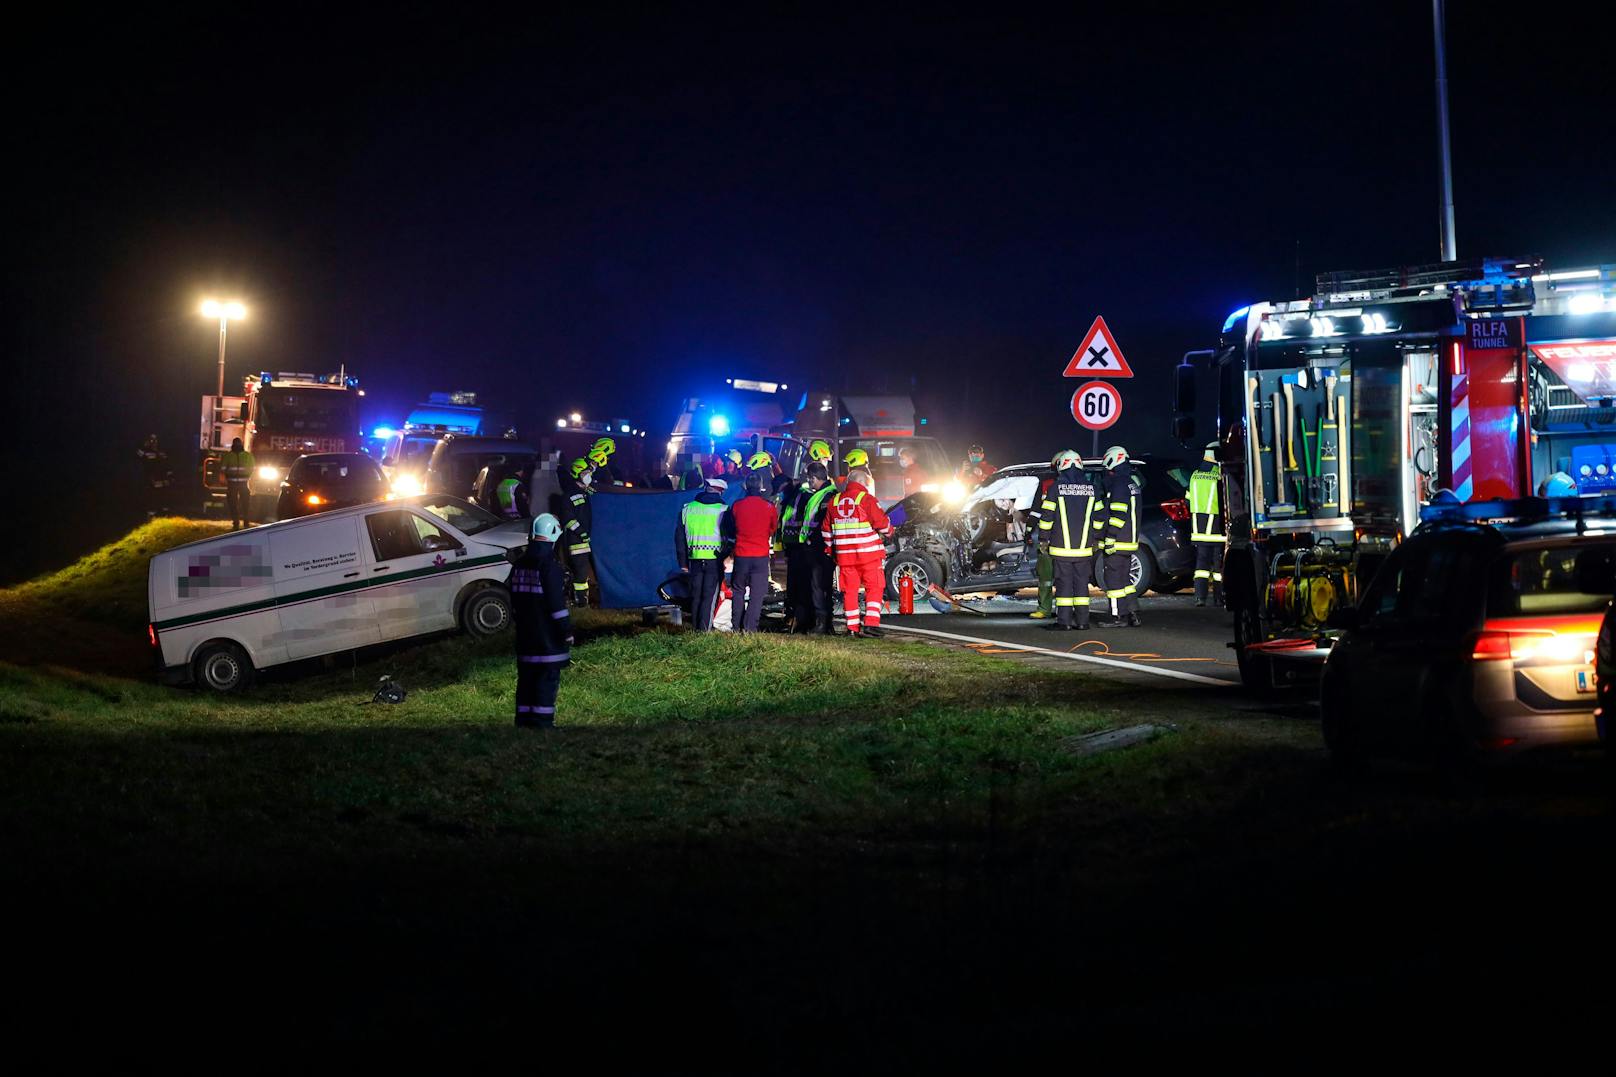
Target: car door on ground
{"x": 320, "y": 597}
{"x": 414, "y": 585}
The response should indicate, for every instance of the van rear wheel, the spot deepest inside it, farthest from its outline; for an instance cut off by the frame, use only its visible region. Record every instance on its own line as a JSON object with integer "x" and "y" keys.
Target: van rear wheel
{"x": 223, "y": 667}
{"x": 486, "y": 613}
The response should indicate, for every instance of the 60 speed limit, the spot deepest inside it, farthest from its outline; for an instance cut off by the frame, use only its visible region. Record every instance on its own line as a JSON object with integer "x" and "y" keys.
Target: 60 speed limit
{"x": 1096, "y": 405}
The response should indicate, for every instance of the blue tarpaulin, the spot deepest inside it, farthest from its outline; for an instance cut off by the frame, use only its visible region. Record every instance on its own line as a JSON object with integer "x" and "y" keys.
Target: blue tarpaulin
{"x": 632, "y": 542}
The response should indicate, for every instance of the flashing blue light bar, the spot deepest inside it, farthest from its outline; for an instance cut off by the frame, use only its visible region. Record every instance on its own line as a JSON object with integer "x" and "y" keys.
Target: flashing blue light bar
{"x": 1235, "y": 316}
{"x": 383, "y": 432}
{"x": 718, "y": 426}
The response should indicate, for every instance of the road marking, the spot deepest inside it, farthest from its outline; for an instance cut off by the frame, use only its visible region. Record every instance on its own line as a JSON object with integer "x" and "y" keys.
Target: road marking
{"x": 1175, "y": 674}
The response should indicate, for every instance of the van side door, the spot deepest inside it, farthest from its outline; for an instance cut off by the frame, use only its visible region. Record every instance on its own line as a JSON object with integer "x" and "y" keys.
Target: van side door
{"x": 320, "y": 590}
{"x": 413, "y": 572}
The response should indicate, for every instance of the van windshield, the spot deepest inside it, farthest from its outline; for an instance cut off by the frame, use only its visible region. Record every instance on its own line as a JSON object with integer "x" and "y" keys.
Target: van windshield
{"x": 463, "y": 516}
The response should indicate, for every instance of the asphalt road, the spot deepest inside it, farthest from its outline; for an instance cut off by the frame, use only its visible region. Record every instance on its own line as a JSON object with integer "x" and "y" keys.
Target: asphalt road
{"x": 1177, "y": 641}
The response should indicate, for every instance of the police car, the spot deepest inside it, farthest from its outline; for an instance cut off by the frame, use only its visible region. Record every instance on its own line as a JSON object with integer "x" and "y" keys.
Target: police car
{"x": 1476, "y": 636}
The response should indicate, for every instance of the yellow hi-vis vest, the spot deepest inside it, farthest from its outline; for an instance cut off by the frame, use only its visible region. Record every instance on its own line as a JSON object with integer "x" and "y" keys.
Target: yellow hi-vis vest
{"x": 701, "y": 529}
{"x": 238, "y": 466}
{"x": 1070, "y": 514}
{"x": 1206, "y": 524}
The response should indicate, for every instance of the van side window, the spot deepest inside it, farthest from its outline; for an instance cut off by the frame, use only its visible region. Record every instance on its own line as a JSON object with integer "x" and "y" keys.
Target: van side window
{"x": 432, "y": 537}
{"x": 393, "y": 534}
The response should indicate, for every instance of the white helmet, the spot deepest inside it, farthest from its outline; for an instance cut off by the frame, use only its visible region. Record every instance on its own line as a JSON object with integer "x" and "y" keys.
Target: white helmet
{"x": 1066, "y": 458}
{"x": 1115, "y": 457}
{"x": 546, "y": 528}
{"x": 1211, "y": 453}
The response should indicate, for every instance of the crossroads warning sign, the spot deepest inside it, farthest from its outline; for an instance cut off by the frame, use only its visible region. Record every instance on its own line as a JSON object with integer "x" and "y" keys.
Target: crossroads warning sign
{"x": 1098, "y": 356}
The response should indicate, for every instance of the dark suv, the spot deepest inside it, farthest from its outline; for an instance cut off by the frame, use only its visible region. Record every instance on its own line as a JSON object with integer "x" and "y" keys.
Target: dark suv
{"x": 980, "y": 545}
{"x": 323, "y": 481}
{"x": 1476, "y": 637}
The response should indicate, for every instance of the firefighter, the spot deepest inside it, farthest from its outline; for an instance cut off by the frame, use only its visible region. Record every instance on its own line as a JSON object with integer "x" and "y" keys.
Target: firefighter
{"x": 699, "y": 543}
{"x": 976, "y": 469}
{"x": 851, "y": 459}
{"x": 1120, "y": 492}
{"x": 1206, "y": 528}
{"x": 761, "y": 465}
{"x": 600, "y": 466}
{"x": 237, "y": 465}
{"x": 751, "y": 523}
{"x": 1046, "y": 564}
{"x": 819, "y": 453}
{"x": 511, "y": 493}
{"x": 543, "y": 627}
{"x": 155, "y": 472}
{"x": 808, "y": 568}
{"x": 853, "y": 529}
{"x": 575, "y": 493}
{"x": 1069, "y": 518}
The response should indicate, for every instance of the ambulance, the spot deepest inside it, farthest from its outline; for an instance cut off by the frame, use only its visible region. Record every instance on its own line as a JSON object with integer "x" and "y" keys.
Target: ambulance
{"x": 224, "y": 608}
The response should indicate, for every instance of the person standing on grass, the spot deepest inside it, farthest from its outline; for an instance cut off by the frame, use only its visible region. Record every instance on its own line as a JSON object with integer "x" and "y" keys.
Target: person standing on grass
{"x": 238, "y": 467}
{"x": 853, "y": 529}
{"x": 808, "y": 569}
{"x": 752, "y": 522}
{"x": 698, "y": 541}
{"x": 543, "y": 626}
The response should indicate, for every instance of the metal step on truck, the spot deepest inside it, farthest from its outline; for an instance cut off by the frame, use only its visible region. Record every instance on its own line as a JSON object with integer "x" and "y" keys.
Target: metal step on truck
{"x": 1340, "y": 416}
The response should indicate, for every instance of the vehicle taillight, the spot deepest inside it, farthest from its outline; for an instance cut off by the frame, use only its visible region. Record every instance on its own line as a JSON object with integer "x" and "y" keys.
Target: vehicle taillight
{"x": 1496, "y": 646}
{"x": 314, "y": 499}
{"x": 1176, "y": 509}
{"x": 151, "y": 634}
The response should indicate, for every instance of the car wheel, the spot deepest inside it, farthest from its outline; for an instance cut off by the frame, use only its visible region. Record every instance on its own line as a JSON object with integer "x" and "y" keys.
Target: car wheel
{"x": 1142, "y": 571}
{"x": 487, "y": 612}
{"x": 223, "y": 667}
{"x": 922, "y": 568}
{"x": 1348, "y": 757}
{"x": 1256, "y": 672}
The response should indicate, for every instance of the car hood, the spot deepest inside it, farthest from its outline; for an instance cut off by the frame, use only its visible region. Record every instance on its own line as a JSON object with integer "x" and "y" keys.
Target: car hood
{"x": 509, "y": 535}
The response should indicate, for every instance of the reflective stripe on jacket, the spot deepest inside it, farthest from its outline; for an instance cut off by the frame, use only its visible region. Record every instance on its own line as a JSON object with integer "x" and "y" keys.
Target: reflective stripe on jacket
{"x": 854, "y": 525}
{"x": 1071, "y": 514}
{"x": 237, "y": 466}
{"x": 1206, "y": 516}
{"x": 1122, "y": 509}
{"x": 701, "y": 529}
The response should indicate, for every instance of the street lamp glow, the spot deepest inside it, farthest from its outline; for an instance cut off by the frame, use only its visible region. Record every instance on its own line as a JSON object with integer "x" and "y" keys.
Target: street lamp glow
{"x": 231, "y": 310}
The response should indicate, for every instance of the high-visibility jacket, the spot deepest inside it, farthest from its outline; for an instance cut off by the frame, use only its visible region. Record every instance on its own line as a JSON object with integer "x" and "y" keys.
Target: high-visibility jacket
{"x": 510, "y": 500}
{"x": 854, "y": 525}
{"x": 1206, "y": 511}
{"x": 814, "y": 505}
{"x": 1071, "y": 515}
{"x": 237, "y": 466}
{"x": 1121, "y": 492}
{"x": 698, "y": 523}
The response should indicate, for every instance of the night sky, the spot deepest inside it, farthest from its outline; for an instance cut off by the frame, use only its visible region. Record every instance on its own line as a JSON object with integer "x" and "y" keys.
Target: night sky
{"x": 603, "y": 215}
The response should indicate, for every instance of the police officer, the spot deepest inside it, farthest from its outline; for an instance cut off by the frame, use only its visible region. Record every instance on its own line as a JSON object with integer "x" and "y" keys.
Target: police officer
{"x": 1069, "y": 519}
{"x": 1121, "y": 497}
{"x": 543, "y": 627}
{"x": 511, "y": 493}
{"x": 238, "y": 468}
{"x": 575, "y": 485}
{"x": 808, "y": 564}
{"x": 699, "y": 543}
{"x": 1206, "y": 527}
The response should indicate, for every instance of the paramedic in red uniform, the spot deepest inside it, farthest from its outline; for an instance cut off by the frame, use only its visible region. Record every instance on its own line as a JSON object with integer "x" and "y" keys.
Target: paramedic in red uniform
{"x": 853, "y": 528}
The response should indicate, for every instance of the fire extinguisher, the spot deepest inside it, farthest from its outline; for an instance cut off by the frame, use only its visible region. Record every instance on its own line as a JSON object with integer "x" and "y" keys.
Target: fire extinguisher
{"x": 906, "y": 594}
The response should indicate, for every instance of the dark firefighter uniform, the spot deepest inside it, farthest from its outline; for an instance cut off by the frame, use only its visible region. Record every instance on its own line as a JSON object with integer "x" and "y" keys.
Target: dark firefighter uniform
{"x": 576, "y": 524}
{"x": 1121, "y": 493}
{"x": 809, "y": 566}
{"x": 700, "y": 548}
{"x": 237, "y": 466}
{"x": 1069, "y": 519}
{"x": 1206, "y": 532}
{"x": 543, "y": 632}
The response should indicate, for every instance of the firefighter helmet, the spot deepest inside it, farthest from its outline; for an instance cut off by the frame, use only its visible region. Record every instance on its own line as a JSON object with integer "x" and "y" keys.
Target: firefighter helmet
{"x": 1066, "y": 458}
{"x": 578, "y": 468}
{"x": 597, "y": 457}
{"x": 820, "y": 451}
{"x": 735, "y": 456}
{"x": 605, "y": 445}
{"x": 856, "y": 458}
{"x": 1115, "y": 457}
{"x": 1211, "y": 453}
{"x": 546, "y": 528}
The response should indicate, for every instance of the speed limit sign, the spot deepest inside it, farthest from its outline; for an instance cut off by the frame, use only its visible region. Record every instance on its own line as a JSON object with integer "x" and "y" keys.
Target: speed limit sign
{"x": 1096, "y": 405}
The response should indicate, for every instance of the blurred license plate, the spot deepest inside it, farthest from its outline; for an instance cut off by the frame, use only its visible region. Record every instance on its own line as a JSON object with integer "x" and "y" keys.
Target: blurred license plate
{"x": 1585, "y": 680}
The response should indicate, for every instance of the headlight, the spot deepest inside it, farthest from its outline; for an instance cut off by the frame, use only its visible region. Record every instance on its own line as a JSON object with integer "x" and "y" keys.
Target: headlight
{"x": 316, "y": 499}
{"x": 269, "y": 474}
{"x": 953, "y": 491}
{"x": 406, "y": 485}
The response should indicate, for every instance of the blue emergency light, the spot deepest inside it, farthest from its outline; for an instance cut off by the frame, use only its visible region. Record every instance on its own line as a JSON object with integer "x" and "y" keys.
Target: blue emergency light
{"x": 382, "y": 432}
{"x": 718, "y": 426}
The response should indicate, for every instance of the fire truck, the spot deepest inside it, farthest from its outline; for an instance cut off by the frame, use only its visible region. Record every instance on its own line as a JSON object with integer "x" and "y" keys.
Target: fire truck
{"x": 1340, "y": 415}
{"x": 278, "y": 418}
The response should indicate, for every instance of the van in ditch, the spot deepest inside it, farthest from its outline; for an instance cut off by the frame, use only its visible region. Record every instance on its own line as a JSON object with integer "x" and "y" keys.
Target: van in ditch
{"x": 225, "y": 607}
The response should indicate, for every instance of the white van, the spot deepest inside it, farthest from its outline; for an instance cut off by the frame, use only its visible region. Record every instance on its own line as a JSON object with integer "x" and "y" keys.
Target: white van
{"x": 224, "y": 607}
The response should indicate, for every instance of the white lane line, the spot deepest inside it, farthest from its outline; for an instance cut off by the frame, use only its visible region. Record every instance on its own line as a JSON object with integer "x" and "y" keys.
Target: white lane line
{"x": 1175, "y": 674}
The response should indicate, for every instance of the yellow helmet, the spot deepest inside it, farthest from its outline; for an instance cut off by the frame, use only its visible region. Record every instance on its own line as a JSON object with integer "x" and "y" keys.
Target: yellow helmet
{"x": 856, "y": 458}
{"x": 819, "y": 451}
{"x": 597, "y": 457}
{"x": 735, "y": 455}
{"x": 760, "y": 460}
{"x": 578, "y": 468}
{"x": 605, "y": 445}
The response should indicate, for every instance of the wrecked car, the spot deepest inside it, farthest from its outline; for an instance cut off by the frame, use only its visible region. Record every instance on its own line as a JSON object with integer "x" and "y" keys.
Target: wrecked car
{"x": 980, "y": 545}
